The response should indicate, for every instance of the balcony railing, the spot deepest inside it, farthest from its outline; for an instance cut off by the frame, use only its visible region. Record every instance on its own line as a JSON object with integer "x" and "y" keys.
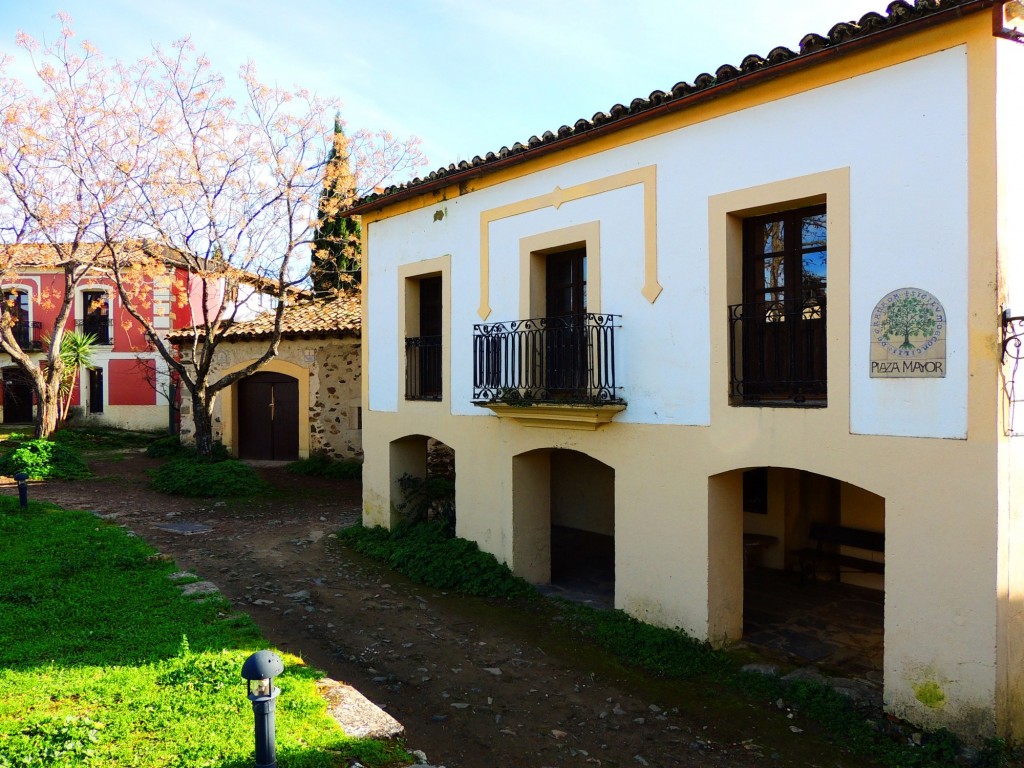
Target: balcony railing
{"x": 28, "y": 335}
{"x": 567, "y": 359}
{"x": 423, "y": 368}
{"x": 101, "y": 328}
{"x": 777, "y": 352}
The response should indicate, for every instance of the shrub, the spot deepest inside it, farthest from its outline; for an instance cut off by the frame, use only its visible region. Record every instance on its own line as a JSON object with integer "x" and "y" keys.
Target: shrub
{"x": 427, "y": 499}
{"x": 44, "y": 459}
{"x": 320, "y": 465}
{"x": 164, "y": 447}
{"x": 188, "y": 476}
{"x": 428, "y": 554}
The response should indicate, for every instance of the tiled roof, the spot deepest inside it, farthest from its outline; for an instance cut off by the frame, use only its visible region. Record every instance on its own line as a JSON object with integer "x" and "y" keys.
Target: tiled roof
{"x": 900, "y": 17}
{"x": 339, "y": 316}
{"x": 27, "y": 256}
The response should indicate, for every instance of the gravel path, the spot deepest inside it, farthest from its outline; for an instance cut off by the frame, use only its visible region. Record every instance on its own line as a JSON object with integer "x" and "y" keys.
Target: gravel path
{"x": 476, "y": 684}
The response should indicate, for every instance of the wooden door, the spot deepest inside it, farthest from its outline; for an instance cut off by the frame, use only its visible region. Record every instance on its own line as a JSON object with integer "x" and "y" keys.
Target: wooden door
{"x": 17, "y": 397}
{"x": 95, "y": 390}
{"x": 268, "y": 417}
{"x": 565, "y": 324}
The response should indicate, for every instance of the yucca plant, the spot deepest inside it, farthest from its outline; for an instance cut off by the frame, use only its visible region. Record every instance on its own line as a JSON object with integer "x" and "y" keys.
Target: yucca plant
{"x": 76, "y": 352}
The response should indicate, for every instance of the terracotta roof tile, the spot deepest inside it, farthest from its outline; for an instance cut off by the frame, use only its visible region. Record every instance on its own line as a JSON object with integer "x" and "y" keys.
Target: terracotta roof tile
{"x": 682, "y": 94}
{"x": 341, "y": 316}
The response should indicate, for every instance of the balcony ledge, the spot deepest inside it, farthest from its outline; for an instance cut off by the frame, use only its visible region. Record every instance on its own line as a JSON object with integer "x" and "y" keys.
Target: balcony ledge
{"x": 557, "y": 416}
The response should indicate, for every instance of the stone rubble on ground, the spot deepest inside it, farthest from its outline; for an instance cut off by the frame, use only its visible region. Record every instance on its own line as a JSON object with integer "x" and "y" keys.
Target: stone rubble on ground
{"x": 860, "y": 693}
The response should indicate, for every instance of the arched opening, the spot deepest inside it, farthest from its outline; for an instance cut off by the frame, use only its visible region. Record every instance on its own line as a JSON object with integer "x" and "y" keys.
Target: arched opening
{"x": 564, "y": 524}
{"x": 808, "y": 554}
{"x": 231, "y": 411}
{"x": 423, "y": 480}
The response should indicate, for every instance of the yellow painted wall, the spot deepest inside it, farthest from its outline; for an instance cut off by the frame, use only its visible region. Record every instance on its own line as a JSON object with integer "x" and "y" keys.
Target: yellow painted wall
{"x": 582, "y": 493}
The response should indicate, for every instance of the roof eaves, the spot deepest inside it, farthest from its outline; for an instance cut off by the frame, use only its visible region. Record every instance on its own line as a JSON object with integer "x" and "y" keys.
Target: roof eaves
{"x": 844, "y": 37}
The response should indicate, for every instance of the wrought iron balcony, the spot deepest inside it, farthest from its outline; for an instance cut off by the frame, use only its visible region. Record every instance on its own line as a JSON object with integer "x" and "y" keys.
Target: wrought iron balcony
{"x": 28, "y": 335}
{"x": 100, "y": 327}
{"x": 568, "y": 359}
{"x": 423, "y": 368}
{"x": 777, "y": 352}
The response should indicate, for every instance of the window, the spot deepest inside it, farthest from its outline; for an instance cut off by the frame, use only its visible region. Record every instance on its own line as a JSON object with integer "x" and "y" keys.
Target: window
{"x": 423, "y": 347}
{"x": 96, "y": 316}
{"x": 17, "y": 306}
{"x": 778, "y": 332}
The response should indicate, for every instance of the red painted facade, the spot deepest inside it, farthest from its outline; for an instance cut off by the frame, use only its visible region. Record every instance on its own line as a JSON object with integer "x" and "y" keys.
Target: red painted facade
{"x": 125, "y": 365}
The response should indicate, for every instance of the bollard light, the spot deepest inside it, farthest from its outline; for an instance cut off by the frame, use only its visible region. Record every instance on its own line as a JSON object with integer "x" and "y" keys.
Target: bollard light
{"x": 259, "y": 670}
{"x": 22, "y": 479}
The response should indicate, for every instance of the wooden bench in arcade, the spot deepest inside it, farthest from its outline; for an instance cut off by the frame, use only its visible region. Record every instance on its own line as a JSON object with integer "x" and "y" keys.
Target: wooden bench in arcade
{"x": 828, "y": 539}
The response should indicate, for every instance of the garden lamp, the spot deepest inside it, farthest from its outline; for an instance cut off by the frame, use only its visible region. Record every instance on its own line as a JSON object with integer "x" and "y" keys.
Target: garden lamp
{"x": 22, "y": 479}
{"x": 259, "y": 670}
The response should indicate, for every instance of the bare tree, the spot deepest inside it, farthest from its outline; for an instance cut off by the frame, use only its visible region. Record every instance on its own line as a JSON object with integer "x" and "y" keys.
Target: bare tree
{"x": 193, "y": 197}
{"x": 59, "y": 199}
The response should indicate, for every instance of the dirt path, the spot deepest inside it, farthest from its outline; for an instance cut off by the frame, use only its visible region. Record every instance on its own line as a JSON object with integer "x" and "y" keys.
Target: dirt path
{"x": 476, "y": 684}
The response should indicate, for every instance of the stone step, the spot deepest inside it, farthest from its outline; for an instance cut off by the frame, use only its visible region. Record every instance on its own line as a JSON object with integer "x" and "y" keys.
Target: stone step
{"x": 357, "y": 715}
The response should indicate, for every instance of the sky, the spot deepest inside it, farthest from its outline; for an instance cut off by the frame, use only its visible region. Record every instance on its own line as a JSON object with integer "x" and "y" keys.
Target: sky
{"x": 465, "y": 76}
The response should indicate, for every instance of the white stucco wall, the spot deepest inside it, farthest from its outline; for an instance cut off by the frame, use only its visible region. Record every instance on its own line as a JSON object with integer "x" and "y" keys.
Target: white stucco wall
{"x": 908, "y": 185}
{"x": 890, "y": 149}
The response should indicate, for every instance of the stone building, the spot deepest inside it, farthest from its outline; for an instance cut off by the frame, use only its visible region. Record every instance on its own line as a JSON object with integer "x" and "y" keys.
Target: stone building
{"x": 307, "y": 399}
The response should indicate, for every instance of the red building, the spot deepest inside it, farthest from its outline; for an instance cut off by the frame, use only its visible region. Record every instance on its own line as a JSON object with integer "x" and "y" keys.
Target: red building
{"x": 128, "y": 384}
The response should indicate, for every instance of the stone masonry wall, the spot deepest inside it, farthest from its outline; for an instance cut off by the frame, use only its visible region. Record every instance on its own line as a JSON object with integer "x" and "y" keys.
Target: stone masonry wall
{"x": 335, "y": 391}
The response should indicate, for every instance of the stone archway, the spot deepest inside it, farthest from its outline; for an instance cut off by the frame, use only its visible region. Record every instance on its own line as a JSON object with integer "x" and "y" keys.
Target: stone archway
{"x": 423, "y": 480}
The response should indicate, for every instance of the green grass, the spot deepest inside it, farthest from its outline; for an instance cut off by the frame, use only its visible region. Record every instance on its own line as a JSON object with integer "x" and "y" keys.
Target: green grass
{"x": 104, "y": 438}
{"x": 95, "y": 672}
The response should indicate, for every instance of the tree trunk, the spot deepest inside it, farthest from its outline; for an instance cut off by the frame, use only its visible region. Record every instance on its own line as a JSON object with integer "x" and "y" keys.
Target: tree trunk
{"x": 49, "y": 408}
{"x": 202, "y": 418}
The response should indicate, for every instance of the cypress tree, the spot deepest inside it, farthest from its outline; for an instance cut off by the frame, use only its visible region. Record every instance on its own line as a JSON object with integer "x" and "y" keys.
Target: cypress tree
{"x": 336, "y": 262}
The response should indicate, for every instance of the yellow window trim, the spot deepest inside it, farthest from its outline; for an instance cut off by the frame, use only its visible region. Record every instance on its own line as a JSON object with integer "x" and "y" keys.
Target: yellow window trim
{"x": 441, "y": 265}
{"x": 646, "y": 176}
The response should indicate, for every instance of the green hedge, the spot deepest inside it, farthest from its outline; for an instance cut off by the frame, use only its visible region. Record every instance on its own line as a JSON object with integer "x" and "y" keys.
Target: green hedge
{"x": 189, "y": 476}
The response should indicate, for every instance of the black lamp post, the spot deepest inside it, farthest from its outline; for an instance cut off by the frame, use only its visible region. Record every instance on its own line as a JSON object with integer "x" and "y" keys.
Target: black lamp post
{"x": 259, "y": 670}
{"x": 22, "y": 479}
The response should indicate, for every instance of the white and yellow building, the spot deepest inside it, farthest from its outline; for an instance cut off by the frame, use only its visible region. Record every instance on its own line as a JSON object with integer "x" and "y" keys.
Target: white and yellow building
{"x": 792, "y": 271}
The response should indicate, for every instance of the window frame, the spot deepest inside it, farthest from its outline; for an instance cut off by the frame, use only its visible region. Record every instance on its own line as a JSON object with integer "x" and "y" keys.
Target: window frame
{"x": 778, "y": 339}
{"x": 409, "y": 276}
{"x": 85, "y": 320}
